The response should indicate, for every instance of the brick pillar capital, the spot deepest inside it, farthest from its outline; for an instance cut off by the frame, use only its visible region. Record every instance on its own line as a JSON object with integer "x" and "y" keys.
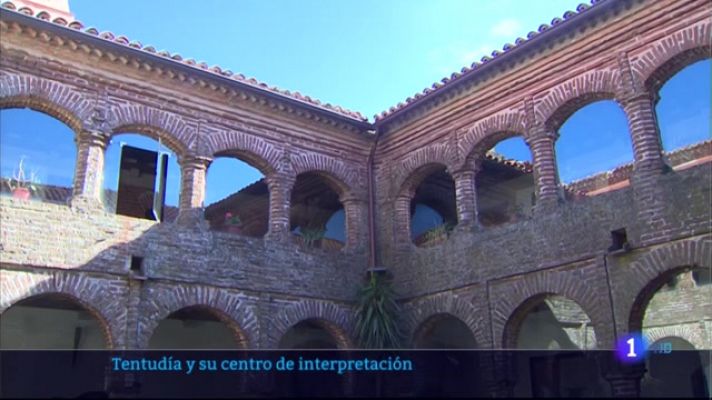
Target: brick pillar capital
{"x": 541, "y": 134}
{"x": 351, "y": 199}
{"x": 93, "y": 138}
{"x": 625, "y": 381}
{"x": 195, "y": 162}
{"x": 632, "y": 97}
{"x": 465, "y": 173}
{"x": 280, "y": 179}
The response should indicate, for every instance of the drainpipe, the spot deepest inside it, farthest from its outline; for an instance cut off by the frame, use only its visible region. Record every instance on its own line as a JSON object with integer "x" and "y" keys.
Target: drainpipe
{"x": 372, "y": 208}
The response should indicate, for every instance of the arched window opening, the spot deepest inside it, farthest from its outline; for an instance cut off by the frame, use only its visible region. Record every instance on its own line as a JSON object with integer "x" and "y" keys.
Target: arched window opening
{"x": 505, "y": 183}
{"x": 553, "y": 322}
{"x": 142, "y": 178}
{"x": 37, "y": 156}
{"x": 683, "y": 114}
{"x": 444, "y": 332}
{"x": 687, "y": 290}
{"x": 309, "y": 334}
{"x": 702, "y": 276}
{"x": 50, "y": 322}
{"x": 237, "y": 198}
{"x": 675, "y": 369}
{"x": 677, "y": 302}
{"x": 556, "y": 322}
{"x": 594, "y": 152}
{"x": 453, "y": 376}
{"x": 193, "y": 328}
{"x": 316, "y": 213}
{"x": 433, "y": 211}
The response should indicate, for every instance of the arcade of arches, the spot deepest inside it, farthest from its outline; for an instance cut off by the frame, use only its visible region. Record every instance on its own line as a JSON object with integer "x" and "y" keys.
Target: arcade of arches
{"x": 558, "y": 214}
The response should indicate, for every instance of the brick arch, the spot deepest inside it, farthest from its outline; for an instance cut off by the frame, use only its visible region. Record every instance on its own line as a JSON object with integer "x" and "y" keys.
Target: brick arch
{"x": 694, "y": 338}
{"x": 410, "y": 171}
{"x": 228, "y": 307}
{"x": 486, "y": 133}
{"x": 647, "y": 275}
{"x": 342, "y": 174}
{"x": 568, "y": 97}
{"x": 669, "y": 55}
{"x": 419, "y": 314}
{"x": 513, "y": 325}
{"x": 333, "y": 182}
{"x": 50, "y": 97}
{"x": 513, "y": 301}
{"x": 420, "y": 174}
{"x": 171, "y": 129}
{"x": 336, "y": 320}
{"x": 97, "y": 296}
{"x": 251, "y": 149}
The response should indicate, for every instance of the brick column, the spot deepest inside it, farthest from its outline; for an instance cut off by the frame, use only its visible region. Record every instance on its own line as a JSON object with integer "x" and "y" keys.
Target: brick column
{"x": 280, "y": 193}
{"x": 500, "y": 372}
{"x": 625, "y": 383}
{"x": 650, "y": 199}
{"x": 623, "y": 378}
{"x": 192, "y": 190}
{"x": 135, "y": 286}
{"x": 89, "y": 168}
{"x": 466, "y": 196}
{"x": 546, "y": 175}
{"x": 355, "y": 225}
{"x": 643, "y": 127}
{"x": 401, "y": 216}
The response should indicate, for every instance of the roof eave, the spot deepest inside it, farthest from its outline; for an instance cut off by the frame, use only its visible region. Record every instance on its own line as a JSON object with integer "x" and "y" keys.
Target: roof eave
{"x": 78, "y": 35}
{"x": 530, "y": 45}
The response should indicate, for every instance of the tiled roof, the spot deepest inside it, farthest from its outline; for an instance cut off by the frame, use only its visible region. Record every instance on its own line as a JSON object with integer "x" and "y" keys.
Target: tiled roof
{"x": 475, "y": 67}
{"x": 62, "y": 194}
{"x": 252, "y": 187}
{"x": 676, "y": 158}
{"x": 123, "y": 40}
{"x": 436, "y": 87}
{"x": 523, "y": 166}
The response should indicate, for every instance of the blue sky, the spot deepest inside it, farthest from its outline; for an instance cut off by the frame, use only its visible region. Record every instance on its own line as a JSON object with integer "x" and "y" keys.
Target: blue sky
{"x": 364, "y": 55}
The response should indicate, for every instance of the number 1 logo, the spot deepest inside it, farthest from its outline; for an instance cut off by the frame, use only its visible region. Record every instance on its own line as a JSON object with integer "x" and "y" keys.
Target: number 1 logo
{"x": 631, "y": 353}
{"x": 631, "y": 348}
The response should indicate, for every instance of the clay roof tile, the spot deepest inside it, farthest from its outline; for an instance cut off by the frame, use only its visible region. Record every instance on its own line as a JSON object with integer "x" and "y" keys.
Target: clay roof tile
{"x": 496, "y": 53}
{"x": 75, "y": 24}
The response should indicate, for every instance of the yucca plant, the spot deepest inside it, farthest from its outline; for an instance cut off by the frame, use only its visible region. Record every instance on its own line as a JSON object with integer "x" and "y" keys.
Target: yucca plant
{"x": 377, "y": 314}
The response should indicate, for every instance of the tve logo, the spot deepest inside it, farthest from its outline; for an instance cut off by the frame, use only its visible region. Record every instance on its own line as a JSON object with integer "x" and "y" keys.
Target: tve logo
{"x": 661, "y": 348}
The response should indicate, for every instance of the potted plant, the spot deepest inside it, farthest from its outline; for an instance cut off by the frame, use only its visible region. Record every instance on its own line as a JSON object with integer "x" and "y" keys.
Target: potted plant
{"x": 312, "y": 236}
{"x": 22, "y": 185}
{"x": 233, "y": 224}
{"x": 435, "y": 235}
{"x": 516, "y": 213}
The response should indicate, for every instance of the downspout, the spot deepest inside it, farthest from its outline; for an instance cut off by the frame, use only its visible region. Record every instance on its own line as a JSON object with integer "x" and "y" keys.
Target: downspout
{"x": 372, "y": 207}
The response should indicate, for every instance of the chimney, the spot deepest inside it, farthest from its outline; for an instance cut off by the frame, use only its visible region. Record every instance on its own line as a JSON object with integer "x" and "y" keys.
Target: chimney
{"x": 55, "y": 8}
